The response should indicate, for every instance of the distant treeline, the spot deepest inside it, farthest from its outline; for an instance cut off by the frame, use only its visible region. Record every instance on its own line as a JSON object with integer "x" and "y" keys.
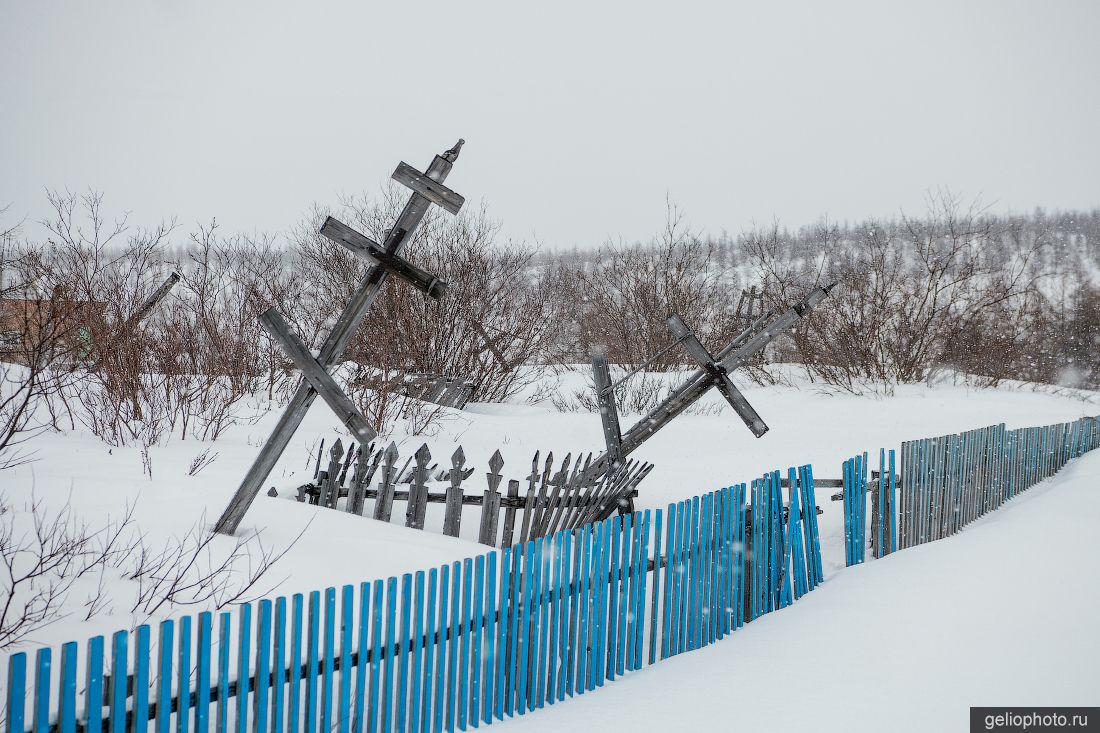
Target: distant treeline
{"x": 1003, "y": 297}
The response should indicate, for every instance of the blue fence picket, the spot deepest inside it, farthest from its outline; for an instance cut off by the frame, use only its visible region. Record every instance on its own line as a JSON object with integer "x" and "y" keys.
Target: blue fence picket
{"x": 244, "y": 631}
{"x": 278, "y": 663}
{"x": 430, "y": 647}
{"x": 17, "y": 693}
{"x": 261, "y": 694}
{"x": 654, "y": 602}
{"x": 165, "y": 644}
{"x": 66, "y": 711}
{"x": 389, "y": 662}
{"x": 294, "y": 698}
{"x": 404, "y": 641}
{"x": 119, "y": 671}
{"x": 327, "y": 662}
{"x": 418, "y": 650}
{"x": 555, "y": 615}
{"x": 43, "y": 662}
{"x": 347, "y": 627}
{"x": 463, "y": 666}
{"x": 504, "y": 606}
{"x": 440, "y": 675}
{"x": 313, "y": 640}
{"x": 477, "y": 622}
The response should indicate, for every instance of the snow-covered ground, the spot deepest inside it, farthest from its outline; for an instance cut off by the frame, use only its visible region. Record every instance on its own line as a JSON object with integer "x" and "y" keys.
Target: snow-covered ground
{"x": 1002, "y": 614}
{"x": 694, "y": 454}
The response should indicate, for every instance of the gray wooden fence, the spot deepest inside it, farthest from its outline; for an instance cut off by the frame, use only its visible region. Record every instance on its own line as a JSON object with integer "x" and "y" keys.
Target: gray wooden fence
{"x": 440, "y": 389}
{"x": 557, "y": 497}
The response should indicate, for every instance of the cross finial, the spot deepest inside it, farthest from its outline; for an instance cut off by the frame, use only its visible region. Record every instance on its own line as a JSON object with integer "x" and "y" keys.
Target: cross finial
{"x": 452, "y": 154}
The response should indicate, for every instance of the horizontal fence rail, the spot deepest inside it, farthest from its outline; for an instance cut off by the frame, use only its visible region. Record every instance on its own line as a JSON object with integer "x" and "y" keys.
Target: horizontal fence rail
{"x": 452, "y": 647}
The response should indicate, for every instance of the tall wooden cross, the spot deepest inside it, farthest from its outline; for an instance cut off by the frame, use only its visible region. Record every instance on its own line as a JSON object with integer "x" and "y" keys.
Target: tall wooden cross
{"x": 713, "y": 372}
{"x": 427, "y": 189}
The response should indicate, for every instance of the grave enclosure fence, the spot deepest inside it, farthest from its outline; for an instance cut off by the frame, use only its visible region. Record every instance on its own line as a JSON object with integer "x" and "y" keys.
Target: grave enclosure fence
{"x": 452, "y": 647}
{"x": 944, "y": 483}
{"x": 566, "y": 495}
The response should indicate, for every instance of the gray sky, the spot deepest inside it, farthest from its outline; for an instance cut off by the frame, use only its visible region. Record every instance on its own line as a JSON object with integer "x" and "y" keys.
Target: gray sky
{"x": 579, "y": 117}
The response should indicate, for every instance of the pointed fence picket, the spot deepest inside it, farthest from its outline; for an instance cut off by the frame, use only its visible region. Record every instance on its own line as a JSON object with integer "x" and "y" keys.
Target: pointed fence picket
{"x": 452, "y": 648}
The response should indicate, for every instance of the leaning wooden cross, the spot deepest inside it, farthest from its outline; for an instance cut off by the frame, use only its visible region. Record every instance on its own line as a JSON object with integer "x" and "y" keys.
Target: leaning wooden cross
{"x": 714, "y": 372}
{"x": 427, "y": 189}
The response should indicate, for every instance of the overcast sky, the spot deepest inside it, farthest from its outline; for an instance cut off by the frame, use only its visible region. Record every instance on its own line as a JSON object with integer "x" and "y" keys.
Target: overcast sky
{"x": 579, "y": 117}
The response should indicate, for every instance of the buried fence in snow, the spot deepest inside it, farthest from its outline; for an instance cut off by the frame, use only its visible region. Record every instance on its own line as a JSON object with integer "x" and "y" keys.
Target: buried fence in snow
{"x": 947, "y": 482}
{"x": 464, "y": 644}
{"x": 565, "y": 498}
{"x": 508, "y": 632}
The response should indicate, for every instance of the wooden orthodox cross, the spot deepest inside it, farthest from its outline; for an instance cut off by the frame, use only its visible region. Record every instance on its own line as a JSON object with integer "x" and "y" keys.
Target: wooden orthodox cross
{"x": 427, "y": 189}
{"x": 714, "y": 372}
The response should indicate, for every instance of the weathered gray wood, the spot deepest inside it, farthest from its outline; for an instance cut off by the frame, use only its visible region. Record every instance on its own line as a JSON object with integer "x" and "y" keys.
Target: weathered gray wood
{"x": 510, "y": 514}
{"x": 452, "y": 519}
{"x": 718, "y": 375}
{"x": 347, "y": 463}
{"x": 541, "y": 500}
{"x": 490, "y": 344}
{"x": 320, "y": 450}
{"x": 383, "y": 503}
{"x": 730, "y": 358}
{"x": 553, "y": 500}
{"x": 364, "y": 471}
{"x": 609, "y": 414}
{"x": 490, "y": 514}
{"x": 366, "y": 248}
{"x": 436, "y": 390}
{"x": 330, "y": 488}
{"x": 418, "y": 490}
{"x": 572, "y": 491}
{"x": 315, "y": 374}
{"x": 490, "y": 504}
{"x": 331, "y": 351}
{"x": 124, "y": 331}
{"x": 434, "y": 191}
{"x": 529, "y": 503}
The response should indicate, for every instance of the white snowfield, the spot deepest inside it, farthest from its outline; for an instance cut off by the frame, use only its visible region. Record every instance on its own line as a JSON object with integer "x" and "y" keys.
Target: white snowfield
{"x": 1003, "y": 614}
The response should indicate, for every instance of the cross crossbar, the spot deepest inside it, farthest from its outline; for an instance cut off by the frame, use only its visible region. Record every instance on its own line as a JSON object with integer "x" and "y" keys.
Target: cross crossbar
{"x": 321, "y": 381}
{"x": 718, "y": 375}
{"x": 760, "y": 333}
{"x": 434, "y": 191}
{"x": 363, "y": 246}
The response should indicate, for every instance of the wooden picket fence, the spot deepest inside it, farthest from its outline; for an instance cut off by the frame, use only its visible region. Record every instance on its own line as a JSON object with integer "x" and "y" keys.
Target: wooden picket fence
{"x": 949, "y": 481}
{"x": 456, "y": 646}
{"x": 563, "y": 496}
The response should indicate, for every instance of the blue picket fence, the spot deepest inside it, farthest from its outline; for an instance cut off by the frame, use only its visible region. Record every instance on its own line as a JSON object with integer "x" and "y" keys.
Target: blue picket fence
{"x": 949, "y": 481}
{"x": 453, "y": 647}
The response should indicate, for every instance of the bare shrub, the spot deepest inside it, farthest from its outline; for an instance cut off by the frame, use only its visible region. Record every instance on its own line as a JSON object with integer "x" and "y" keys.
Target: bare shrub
{"x": 913, "y": 294}
{"x": 60, "y": 563}
{"x": 40, "y": 566}
{"x": 187, "y": 572}
{"x": 626, "y": 295}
